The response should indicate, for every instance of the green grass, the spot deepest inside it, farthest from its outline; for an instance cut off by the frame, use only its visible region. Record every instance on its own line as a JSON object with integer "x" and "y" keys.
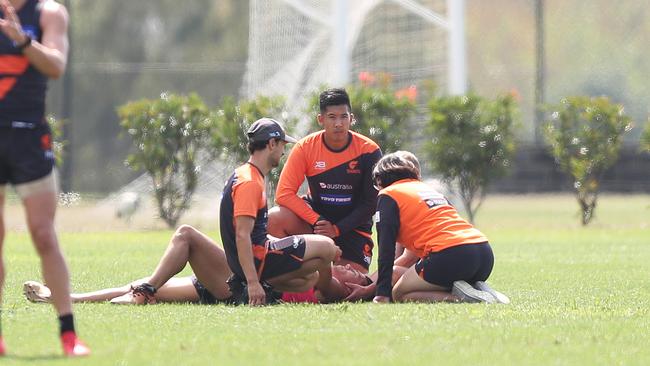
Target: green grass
{"x": 580, "y": 297}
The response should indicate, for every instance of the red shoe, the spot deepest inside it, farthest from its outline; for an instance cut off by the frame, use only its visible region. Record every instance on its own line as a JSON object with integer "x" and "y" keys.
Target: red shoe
{"x": 73, "y": 346}
{"x": 2, "y": 347}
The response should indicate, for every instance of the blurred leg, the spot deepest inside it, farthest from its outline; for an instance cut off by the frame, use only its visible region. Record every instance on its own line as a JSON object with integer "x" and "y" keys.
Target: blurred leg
{"x": 40, "y": 209}
{"x": 411, "y": 287}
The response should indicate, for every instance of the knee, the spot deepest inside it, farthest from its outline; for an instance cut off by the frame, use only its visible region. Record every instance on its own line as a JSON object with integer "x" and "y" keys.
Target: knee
{"x": 43, "y": 237}
{"x": 183, "y": 234}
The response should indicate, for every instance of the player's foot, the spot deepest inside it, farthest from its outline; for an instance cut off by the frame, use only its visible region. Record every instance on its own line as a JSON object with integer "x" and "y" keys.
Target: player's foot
{"x": 466, "y": 293}
{"x": 73, "y": 346}
{"x": 483, "y": 286}
{"x": 36, "y": 292}
{"x": 143, "y": 294}
{"x": 2, "y": 347}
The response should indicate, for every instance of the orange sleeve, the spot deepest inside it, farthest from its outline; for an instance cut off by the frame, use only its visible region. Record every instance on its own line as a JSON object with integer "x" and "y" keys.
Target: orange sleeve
{"x": 291, "y": 178}
{"x": 246, "y": 199}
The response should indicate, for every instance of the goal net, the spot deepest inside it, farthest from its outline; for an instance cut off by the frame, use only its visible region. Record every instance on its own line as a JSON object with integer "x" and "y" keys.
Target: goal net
{"x": 293, "y": 46}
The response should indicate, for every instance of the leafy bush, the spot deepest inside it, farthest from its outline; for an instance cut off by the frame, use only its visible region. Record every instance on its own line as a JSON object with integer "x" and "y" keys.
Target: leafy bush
{"x": 472, "y": 143}
{"x": 58, "y": 144}
{"x": 645, "y": 138}
{"x": 169, "y": 133}
{"x": 585, "y": 137}
{"x": 228, "y": 138}
{"x": 380, "y": 112}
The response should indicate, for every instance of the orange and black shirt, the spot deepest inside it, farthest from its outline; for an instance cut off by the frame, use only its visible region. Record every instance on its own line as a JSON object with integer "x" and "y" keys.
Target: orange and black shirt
{"x": 340, "y": 182}
{"x": 422, "y": 220}
{"x": 243, "y": 195}
{"x": 22, "y": 87}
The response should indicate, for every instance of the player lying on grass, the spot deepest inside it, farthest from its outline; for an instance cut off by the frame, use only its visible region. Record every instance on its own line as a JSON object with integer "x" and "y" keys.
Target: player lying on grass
{"x": 206, "y": 286}
{"x": 452, "y": 253}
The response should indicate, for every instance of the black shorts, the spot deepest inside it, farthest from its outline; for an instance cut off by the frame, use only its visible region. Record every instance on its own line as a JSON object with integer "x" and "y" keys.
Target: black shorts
{"x": 356, "y": 248}
{"x": 283, "y": 256}
{"x": 25, "y": 153}
{"x": 205, "y": 296}
{"x": 467, "y": 262}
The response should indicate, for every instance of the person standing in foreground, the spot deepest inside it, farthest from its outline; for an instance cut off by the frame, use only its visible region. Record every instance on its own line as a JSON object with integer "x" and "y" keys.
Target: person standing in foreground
{"x": 33, "y": 48}
{"x": 261, "y": 264}
{"x": 455, "y": 259}
{"x": 337, "y": 164}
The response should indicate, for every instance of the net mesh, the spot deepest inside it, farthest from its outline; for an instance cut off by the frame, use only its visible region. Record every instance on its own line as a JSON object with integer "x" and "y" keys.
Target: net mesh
{"x": 291, "y": 52}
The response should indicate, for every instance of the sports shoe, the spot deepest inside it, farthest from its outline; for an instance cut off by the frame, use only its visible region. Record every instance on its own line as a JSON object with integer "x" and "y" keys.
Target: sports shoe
{"x": 73, "y": 346}
{"x": 36, "y": 292}
{"x": 143, "y": 294}
{"x": 466, "y": 293}
{"x": 2, "y": 347}
{"x": 483, "y": 286}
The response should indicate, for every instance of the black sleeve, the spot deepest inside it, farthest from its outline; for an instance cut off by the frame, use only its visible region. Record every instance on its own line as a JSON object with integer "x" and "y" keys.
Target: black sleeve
{"x": 387, "y": 221}
{"x": 368, "y": 198}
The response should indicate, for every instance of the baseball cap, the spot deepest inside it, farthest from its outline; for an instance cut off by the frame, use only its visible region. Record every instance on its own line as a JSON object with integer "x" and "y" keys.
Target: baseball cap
{"x": 265, "y": 129}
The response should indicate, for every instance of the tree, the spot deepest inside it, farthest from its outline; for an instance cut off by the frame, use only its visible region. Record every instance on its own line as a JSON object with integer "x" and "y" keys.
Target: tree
{"x": 228, "y": 138}
{"x": 585, "y": 137}
{"x": 380, "y": 112}
{"x": 472, "y": 143}
{"x": 169, "y": 133}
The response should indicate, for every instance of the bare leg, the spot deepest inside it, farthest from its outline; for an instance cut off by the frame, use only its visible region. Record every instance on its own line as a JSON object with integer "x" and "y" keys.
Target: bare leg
{"x": 320, "y": 251}
{"x": 283, "y": 222}
{"x": 40, "y": 209}
{"x": 2, "y": 239}
{"x": 410, "y": 287}
{"x": 207, "y": 260}
{"x": 177, "y": 290}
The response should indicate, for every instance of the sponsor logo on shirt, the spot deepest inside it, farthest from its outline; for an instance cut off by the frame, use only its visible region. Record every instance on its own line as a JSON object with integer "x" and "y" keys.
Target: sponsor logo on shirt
{"x": 377, "y": 217}
{"x": 335, "y": 186}
{"x": 320, "y": 165}
{"x": 336, "y": 199}
{"x": 352, "y": 167}
{"x": 433, "y": 199}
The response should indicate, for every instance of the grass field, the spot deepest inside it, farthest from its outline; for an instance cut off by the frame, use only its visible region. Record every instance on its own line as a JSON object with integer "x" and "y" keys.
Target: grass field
{"x": 580, "y": 296}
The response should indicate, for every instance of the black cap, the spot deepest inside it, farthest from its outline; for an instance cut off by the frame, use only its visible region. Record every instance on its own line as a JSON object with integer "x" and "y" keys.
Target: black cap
{"x": 265, "y": 129}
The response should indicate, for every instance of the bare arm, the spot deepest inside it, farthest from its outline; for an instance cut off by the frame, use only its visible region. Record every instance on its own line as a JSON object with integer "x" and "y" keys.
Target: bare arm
{"x": 244, "y": 227}
{"x": 50, "y": 55}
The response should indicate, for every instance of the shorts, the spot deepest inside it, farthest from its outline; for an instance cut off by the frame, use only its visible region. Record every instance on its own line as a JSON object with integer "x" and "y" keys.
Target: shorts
{"x": 356, "y": 247}
{"x": 467, "y": 262}
{"x": 282, "y": 256}
{"x": 205, "y": 296}
{"x": 25, "y": 153}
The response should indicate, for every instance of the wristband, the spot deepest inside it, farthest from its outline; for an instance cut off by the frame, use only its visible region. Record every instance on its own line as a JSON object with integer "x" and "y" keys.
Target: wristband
{"x": 28, "y": 42}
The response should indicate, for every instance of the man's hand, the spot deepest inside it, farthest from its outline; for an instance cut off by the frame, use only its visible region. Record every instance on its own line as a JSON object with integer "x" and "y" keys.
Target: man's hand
{"x": 381, "y": 300}
{"x": 324, "y": 227}
{"x": 10, "y": 25}
{"x": 359, "y": 292}
{"x": 256, "y": 295}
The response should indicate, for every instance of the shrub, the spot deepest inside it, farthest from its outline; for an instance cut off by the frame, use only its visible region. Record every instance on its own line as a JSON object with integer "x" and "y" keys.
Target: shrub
{"x": 169, "y": 134}
{"x": 472, "y": 143}
{"x": 585, "y": 137}
{"x": 380, "y": 112}
{"x": 645, "y": 138}
{"x": 228, "y": 138}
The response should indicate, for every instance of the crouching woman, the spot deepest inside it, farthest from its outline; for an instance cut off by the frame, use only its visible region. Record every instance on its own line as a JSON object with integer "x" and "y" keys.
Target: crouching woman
{"x": 455, "y": 259}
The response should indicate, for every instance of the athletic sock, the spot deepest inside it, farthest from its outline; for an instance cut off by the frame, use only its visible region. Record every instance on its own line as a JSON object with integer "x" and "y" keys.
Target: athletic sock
{"x": 66, "y": 323}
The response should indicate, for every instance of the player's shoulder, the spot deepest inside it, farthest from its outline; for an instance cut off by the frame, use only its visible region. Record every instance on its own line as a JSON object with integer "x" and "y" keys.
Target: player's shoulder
{"x": 366, "y": 143}
{"x": 310, "y": 140}
{"x": 52, "y": 11}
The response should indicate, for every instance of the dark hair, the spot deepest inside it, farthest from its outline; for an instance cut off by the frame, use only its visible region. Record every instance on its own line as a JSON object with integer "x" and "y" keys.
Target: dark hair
{"x": 258, "y": 145}
{"x": 391, "y": 168}
{"x": 334, "y": 96}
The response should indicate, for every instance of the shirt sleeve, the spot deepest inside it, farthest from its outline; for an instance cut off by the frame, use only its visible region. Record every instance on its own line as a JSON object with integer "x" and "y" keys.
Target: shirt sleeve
{"x": 368, "y": 198}
{"x": 387, "y": 221}
{"x": 291, "y": 178}
{"x": 246, "y": 198}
